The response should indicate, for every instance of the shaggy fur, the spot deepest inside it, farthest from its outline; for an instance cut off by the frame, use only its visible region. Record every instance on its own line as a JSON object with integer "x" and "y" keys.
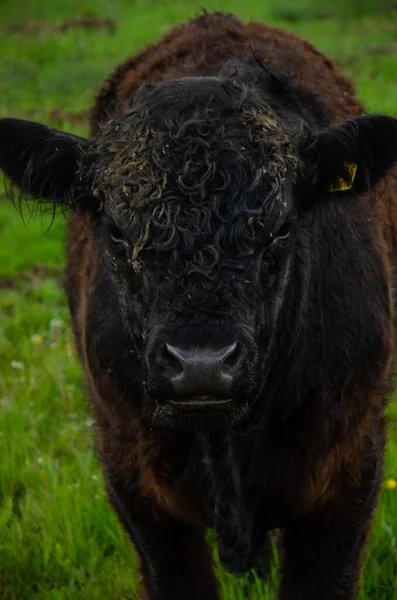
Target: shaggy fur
{"x": 203, "y": 213}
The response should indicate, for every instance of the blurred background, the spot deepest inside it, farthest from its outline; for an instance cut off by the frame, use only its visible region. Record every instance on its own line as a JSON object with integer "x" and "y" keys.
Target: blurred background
{"x": 58, "y": 538}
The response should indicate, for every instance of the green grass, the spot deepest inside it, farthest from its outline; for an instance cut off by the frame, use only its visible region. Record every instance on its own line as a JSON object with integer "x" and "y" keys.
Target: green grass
{"x": 58, "y": 538}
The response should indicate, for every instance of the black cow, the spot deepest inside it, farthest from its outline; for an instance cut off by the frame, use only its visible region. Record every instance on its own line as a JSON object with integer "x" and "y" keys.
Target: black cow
{"x": 230, "y": 273}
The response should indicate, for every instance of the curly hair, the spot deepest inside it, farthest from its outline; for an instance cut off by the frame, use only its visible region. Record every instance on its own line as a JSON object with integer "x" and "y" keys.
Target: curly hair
{"x": 195, "y": 170}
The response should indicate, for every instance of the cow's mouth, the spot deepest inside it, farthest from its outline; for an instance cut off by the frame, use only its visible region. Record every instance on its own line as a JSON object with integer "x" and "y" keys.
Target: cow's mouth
{"x": 202, "y": 403}
{"x": 199, "y": 413}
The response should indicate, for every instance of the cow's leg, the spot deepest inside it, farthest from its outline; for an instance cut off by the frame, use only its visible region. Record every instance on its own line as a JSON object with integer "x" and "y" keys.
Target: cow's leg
{"x": 323, "y": 552}
{"x": 175, "y": 561}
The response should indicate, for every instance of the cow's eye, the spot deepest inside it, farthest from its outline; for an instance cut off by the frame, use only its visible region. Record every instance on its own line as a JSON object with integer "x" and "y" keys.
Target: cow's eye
{"x": 117, "y": 235}
{"x": 283, "y": 232}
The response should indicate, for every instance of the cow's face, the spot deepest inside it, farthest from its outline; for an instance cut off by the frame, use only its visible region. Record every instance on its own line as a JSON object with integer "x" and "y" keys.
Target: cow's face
{"x": 196, "y": 182}
{"x": 194, "y": 194}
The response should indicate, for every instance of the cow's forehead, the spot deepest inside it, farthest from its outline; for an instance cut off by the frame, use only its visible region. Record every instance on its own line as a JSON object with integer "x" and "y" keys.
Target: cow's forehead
{"x": 203, "y": 159}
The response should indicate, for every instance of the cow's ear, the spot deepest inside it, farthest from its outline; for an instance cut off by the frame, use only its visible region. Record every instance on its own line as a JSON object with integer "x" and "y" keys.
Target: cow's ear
{"x": 45, "y": 164}
{"x": 349, "y": 158}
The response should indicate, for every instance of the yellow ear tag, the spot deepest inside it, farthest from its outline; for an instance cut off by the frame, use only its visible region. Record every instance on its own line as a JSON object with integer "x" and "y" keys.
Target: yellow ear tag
{"x": 342, "y": 184}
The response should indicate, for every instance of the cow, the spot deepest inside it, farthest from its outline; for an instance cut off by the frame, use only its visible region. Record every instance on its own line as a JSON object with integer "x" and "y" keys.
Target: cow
{"x": 231, "y": 267}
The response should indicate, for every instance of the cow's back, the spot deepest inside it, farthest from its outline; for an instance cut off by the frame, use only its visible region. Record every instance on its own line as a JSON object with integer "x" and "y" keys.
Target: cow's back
{"x": 200, "y": 46}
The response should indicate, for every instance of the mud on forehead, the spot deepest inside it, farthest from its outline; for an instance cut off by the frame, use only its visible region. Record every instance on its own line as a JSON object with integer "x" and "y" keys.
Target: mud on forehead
{"x": 190, "y": 145}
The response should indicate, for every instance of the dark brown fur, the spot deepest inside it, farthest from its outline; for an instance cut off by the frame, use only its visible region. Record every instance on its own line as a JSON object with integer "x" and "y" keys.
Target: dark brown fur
{"x": 315, "y": 469}
{"x": 319, "y": 458}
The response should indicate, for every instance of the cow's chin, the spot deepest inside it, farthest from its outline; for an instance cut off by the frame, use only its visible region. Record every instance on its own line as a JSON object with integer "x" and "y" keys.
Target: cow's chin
{"x": 200, "y": 415}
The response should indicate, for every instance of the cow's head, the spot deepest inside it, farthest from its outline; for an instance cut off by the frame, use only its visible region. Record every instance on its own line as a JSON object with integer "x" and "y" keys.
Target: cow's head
{"x": 195, "y": 193}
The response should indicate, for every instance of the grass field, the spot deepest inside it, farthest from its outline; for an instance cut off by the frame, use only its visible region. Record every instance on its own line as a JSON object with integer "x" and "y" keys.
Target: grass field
{"x": 58, "y": 538}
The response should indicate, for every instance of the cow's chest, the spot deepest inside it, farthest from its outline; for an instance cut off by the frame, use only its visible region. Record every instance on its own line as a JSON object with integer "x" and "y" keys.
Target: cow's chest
{"x": 236, "y": 483}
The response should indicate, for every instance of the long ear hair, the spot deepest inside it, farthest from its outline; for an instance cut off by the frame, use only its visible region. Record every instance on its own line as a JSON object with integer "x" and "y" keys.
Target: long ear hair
{"x": 44, "y": 164}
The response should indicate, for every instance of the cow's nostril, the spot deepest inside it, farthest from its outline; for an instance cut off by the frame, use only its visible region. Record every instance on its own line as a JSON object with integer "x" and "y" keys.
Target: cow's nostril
{"x": 174, "y": 354}
{"x": 202, "y": 371}
{"x": 234, "y": 357}
{"x": 170, "y": 360}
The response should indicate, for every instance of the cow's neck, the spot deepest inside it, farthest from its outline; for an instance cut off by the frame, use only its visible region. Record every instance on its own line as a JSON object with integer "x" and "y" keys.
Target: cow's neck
{"x": 228, "y": 501}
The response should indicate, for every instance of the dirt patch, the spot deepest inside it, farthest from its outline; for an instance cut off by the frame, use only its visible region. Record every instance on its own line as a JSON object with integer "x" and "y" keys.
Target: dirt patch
{"x": 57, "y": 116}
{"x": 75, "y": 118}
{"x": 369, "y": 50}
{"x": 32, "y": 276}
{"x": 34, "y": 27}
